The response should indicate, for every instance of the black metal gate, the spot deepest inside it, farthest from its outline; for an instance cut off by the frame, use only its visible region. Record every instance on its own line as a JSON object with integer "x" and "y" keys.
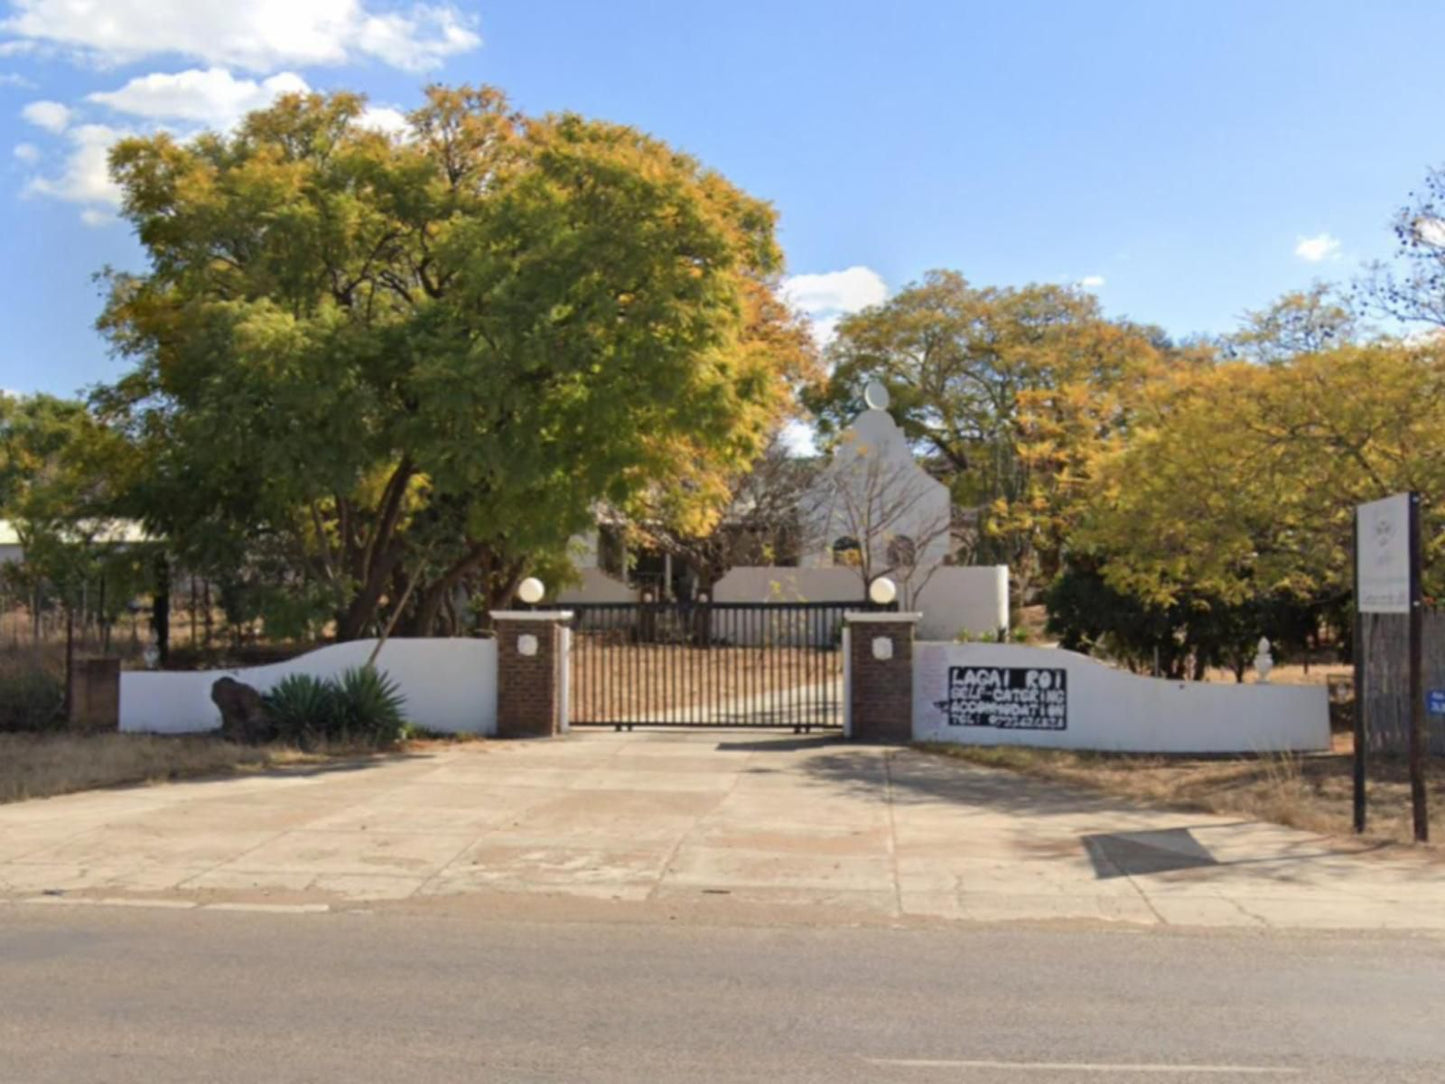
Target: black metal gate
{"x": 708, "y": 664}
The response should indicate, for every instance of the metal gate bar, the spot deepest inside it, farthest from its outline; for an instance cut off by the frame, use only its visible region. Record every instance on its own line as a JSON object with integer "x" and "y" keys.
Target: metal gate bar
{"x": 717, "y": 664}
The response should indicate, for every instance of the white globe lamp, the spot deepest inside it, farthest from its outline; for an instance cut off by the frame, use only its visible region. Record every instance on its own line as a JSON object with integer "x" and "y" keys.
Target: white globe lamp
{"x": 531, "y": 590}
{"x": 882, "y": 591}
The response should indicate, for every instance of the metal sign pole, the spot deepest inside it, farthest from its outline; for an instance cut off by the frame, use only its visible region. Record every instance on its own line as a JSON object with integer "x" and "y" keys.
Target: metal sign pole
{"x": 1360, "y": 730}
{"x": 1418, "y": 798}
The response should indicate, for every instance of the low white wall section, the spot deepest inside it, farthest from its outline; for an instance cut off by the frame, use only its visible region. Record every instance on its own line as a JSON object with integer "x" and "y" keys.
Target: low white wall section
{"x": 999, "y": 694}
{"x": 767, "y": 583}
{"x": 955, "y": 598}
{"x": 594, "y": 585}
{"x": 449, "y": 684}
{"x": 962, "y": 598}
{"x": 773, "y": 584}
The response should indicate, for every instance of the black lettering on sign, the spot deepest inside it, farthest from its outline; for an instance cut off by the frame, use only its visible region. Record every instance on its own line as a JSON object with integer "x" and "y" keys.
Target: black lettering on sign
{"x": 1008, "y": 697}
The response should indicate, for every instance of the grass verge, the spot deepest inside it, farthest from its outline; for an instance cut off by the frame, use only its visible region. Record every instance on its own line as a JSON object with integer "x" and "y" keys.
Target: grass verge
{"x": 43, "y": 765}
{"x": 1314, "y": 792}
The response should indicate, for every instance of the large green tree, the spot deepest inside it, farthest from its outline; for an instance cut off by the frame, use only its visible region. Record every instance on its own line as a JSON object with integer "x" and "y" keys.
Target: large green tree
{"x": 1010, "y": 392}
{"x": 373, "y": 370}
{"x": 1241, "y": 480}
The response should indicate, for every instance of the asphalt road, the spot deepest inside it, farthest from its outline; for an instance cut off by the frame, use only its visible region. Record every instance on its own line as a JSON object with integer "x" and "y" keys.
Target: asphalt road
{"x": 125, "y": 994}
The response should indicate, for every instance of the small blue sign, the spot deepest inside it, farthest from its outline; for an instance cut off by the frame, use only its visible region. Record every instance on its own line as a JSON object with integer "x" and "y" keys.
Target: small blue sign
{"x": 1435, "y": 701}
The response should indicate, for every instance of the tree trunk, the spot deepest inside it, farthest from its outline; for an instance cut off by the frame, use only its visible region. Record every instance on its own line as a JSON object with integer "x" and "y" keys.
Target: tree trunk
{"x": 361, "y": 611}
{"x": 161, "y": 610}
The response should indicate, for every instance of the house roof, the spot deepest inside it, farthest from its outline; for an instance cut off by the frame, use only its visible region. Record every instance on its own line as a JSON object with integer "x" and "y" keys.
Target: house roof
{"x": 106, "y": 532}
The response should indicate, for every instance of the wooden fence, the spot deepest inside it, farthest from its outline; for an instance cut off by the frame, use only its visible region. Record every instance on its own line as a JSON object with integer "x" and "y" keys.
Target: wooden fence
{"x": 1387, "y": 679}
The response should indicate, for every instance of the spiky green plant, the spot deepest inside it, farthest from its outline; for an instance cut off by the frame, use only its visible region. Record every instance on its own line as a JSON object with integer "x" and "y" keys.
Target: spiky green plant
{"x": 303, "y": 709}
{"x": 369, "y": 706}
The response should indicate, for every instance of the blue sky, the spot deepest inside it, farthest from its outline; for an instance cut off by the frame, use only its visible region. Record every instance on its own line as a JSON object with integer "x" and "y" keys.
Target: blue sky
{"x": 1187, "y": 161}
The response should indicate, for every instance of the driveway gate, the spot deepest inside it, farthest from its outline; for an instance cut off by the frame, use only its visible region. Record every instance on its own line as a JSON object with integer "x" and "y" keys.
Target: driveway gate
{"x": 716, "y": 664}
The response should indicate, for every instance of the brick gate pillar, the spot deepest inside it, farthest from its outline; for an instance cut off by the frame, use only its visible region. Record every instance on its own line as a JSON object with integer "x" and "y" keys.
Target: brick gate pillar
{"x": 531, "y": 672}
{"x": 880, "y": 676}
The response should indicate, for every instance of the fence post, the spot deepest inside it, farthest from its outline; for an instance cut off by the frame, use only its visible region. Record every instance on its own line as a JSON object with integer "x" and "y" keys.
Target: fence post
{"x": 93, "y": 694}
{"x": 880, "y": 675}
{"x": 531, "y": 672}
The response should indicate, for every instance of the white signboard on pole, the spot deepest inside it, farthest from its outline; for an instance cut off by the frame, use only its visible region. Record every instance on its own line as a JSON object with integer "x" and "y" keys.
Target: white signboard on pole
{"x": 1382, "y": 560}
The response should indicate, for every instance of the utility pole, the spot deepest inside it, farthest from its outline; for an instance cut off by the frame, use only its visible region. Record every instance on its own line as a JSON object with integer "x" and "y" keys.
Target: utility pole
{"x": 1419, "y": 797}
{"x": 1361, "y": 730}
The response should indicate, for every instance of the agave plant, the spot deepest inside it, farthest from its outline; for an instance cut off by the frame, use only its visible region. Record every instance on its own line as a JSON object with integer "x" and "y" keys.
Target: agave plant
{"x": 303, "y": 709}
{"x": 369, "y": 705}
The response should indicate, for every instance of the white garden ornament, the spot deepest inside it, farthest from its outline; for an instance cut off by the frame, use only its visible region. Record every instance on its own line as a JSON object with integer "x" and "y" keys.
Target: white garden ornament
{"x": 1263, "y": 660}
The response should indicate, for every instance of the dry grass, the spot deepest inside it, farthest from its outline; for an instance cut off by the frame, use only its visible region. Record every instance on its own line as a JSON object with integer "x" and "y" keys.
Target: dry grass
{"x": 1313, "y": 792}
{"x": 43, "y": 765}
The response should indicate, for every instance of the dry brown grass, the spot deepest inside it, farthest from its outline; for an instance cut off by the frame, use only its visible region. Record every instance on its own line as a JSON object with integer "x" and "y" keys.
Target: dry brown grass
{"x": 1312, "y": 792}
{"x": 43, "y": 765}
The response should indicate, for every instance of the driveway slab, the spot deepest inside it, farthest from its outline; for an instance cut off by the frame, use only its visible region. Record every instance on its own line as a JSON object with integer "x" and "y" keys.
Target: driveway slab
{"x": 808, "y": 829}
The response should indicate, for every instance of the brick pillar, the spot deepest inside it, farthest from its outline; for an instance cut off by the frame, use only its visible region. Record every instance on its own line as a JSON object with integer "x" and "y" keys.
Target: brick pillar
{"x": 880, "y": 690}
{"x": 531, "y": 669}
{"x": 95, "y": 694}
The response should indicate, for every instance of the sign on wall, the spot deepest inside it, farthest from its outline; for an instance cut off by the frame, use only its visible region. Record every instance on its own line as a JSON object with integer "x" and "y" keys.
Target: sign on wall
{"x": 1008, "y": 697}
{"x": 1382, "y": 558}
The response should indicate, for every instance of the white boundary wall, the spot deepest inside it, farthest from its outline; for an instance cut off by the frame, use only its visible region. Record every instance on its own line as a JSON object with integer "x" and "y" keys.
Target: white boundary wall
{"x": 594, "y": 585}
{"x": 961, "y": 598}
{"x": 956, "y": 598}
{"x": 449, "y": 684}
{"x": 1114, "y": 711}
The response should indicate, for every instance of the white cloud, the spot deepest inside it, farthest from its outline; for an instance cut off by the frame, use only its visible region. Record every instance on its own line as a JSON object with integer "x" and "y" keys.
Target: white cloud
{"x": 826, "y": 298}
{"x": 1430, "y": 230}
{"x": 211, "y": 96}
{"x": 86, "y": 178}
{"x": 835, "y": 291}
{"x": 257, "y": 35}
{"x": 1092, "y": 282}
{"x": 14, "y": 79}
{"x": 383, "y": 119}
{"x": 28, "y": 153}
{"x": 799, "y": 439}
{"x": 1318, "y": 248}
{"x": 52, "y": 116}
{"x": 94, "y": 216}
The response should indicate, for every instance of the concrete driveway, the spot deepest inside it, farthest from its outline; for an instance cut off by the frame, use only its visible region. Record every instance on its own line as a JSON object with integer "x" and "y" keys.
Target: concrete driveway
{"x": 735, "y": 823}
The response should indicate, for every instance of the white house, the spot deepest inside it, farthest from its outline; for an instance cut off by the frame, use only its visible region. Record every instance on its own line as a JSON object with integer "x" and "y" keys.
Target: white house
{"x": 871, "y": 511}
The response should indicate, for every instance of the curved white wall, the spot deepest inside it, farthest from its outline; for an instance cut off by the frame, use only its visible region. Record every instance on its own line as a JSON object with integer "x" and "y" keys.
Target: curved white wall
{"x": 1113, "y": 711}
{"x": 449, "y": 684}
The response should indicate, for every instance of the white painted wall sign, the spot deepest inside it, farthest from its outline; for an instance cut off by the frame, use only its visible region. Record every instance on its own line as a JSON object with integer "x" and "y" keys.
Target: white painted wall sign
{"x": 1008, "y": 697}
{"x": 1383, "y": 561}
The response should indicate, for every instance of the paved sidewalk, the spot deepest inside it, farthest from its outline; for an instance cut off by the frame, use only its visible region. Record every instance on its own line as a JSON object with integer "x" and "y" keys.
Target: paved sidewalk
{"x": 816, "y": 829}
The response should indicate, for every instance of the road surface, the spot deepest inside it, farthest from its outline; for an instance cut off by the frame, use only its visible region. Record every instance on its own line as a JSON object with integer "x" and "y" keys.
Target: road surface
{"x": 118, "y": 994}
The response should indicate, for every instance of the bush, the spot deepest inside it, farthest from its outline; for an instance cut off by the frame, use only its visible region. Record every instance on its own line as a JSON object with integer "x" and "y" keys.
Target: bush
{"x": 31, "y": 698}
{"x": 368, "y": 705}
{"x": 302, "y": 708}
{"x": 363, "y": 705}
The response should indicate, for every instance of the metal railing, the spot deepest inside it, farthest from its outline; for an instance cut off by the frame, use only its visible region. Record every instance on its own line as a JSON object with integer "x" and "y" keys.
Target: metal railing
{"x": 708, "y": 664}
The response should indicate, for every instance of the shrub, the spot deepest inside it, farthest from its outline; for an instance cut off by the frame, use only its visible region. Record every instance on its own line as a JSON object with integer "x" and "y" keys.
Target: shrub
{"x": 369, "y": 706}
{"x": 32, "y": 697}
{"x": 302, "y": 708}
{"x": 362, "y": 705}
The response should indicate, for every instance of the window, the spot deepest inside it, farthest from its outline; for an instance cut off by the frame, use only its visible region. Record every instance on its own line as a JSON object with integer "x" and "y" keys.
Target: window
{"x": 611, "y": 551}
{"x": 901, "y": 552}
